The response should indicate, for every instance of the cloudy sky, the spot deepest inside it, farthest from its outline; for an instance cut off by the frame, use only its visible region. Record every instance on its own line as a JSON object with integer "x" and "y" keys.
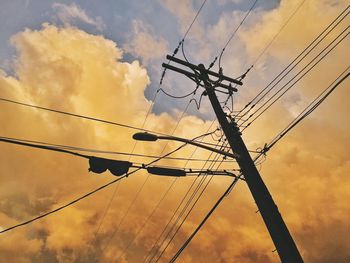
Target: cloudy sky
{"x": 103, "y": 59}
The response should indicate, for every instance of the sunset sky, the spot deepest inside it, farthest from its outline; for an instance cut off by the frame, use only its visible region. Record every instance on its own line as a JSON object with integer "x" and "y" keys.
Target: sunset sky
{"x": 103, "y": 59}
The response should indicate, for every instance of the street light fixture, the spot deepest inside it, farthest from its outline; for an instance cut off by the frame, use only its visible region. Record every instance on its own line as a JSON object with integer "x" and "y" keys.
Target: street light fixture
{"x": 145, "y": 136}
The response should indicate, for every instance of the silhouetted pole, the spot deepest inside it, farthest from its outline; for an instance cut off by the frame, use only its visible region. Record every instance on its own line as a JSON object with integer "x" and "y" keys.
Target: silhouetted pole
{"x": 285, "y": 246}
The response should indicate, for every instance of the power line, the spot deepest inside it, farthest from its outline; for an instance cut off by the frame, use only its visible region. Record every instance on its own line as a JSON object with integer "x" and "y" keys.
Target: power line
{"x": 188, "y": 212}
{"x": 235, "y": 31}
{"x": 178, "y": 207}
{"x": 197, "y": 199}
{"x": 311, "y": 107}
{"x": 80, "y": 149}
{"x": 278, "y": 230}
{"x": 140, "y": 165}
{"x": 227, "y": 190}
{"x": 148, "y": 218}
{"x": 85, "y": 195}
{"x": 179, "y": 97}
{"x": 182, "y": 212}
{"x": 64, "y": 206}
{"x": 80, "y": 116}
{"x": 189, "y": 239}
{"x": 299, "y": 72}
{"x": 188, "y": 203}
{"x": 80, "y": 198}
{"x": 279, "y": 31}
{"x": 87, "y": 117}
{"x": 296, "y": 60}
{"x": 50, "y": 148}
{"x": 182, "y": 41}
{"x": 172, "y": 217}
{"x": 168, "y": 223}
{"x": 298, "y": 79}
{"x": 194, "y": 19}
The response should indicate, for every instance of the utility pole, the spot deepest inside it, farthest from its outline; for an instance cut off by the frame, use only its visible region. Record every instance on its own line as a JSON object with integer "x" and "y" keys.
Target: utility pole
{"x": 284, "y": 243}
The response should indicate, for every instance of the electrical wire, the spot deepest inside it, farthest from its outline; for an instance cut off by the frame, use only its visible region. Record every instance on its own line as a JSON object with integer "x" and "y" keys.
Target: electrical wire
{"x": 43, "y": 147}
{"x": 150, "y": 253}
{"x": 138, "y": 192}
{"x": 235, "y": 31}
{"x": 300, "y": 72}
{"x": 124, "y": 251}
{"x": 168, "y": 223}
{"x": 80, "y": 116}
{"x": 177, "y": 254}
{"x": 311, "y": 107}
{"x": 187, "y": 213}
{"x": 182, "y": 212}
{"x": 278, "y": 32}
{"x": 141, "y": 165}
{"x": 178, "y": 207}
{"x": 80, "y": 149}
{"x": 85, "y": 195}
{"x": 179, "y": 97}
{"x": 155, "y": 96}
{"x": 64, "y": 206}
{"x": 183, "y": 40}
{"x": 86, "y": 117}
{"x": 296, "y": 81}
{"x": 297, "y": 60}
{"x": 194, "y": 19}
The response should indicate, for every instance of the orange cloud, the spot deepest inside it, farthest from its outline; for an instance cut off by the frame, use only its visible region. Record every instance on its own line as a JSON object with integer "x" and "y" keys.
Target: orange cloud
{"x": 68, "y": 69}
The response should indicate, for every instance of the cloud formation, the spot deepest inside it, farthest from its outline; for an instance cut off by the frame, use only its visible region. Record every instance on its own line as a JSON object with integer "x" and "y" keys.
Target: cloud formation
{"x": 142, "y": 43}
{"x": 69, "y": 69}
{"x": 70, "y": 13}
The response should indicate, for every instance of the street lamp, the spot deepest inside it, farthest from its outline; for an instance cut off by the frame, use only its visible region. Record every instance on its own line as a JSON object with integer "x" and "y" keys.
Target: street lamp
{"x": 145, "y": 136}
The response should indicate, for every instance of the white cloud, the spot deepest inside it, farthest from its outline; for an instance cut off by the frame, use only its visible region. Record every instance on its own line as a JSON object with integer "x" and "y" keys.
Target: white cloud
{"x": 144, "y": 44}
{"x": 68, "y": 13}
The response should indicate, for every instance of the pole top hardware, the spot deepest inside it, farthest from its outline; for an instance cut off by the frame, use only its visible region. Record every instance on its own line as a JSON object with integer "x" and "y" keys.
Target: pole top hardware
{"x": 200, "y": 73}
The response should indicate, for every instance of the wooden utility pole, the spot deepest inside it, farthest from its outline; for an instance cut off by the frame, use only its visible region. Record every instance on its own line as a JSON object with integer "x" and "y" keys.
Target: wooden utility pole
{"x": 285, "y": 245}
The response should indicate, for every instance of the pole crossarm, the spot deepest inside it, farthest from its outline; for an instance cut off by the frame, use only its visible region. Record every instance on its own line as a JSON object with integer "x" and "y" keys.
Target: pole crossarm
{"x": 209, "y": 72}
{"x": 194, "y": 77}
{"x": 280, "y": 235}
